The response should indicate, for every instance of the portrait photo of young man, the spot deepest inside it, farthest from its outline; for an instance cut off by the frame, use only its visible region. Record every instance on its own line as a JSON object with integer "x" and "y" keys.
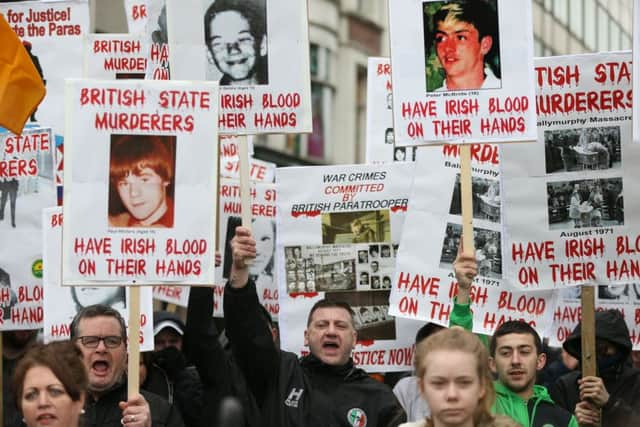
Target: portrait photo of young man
{"x": 461, "y": 41}
{"x": 236, "y": 39}
{"x": 141, "y": 181}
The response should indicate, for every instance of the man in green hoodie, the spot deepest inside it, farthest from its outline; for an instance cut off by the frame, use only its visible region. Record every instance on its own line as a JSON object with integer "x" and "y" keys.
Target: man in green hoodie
{"x": 516, "y": 357}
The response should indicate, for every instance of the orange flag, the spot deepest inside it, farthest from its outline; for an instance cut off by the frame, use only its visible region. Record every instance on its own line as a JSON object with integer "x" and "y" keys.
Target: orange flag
{"x": 21, "y": 87}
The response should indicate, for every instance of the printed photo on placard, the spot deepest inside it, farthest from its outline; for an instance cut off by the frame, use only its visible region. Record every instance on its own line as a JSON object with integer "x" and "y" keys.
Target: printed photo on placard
{"x": 462, "y": 71}
{"x": 569, "y": 150}
{"x": 461, "y": 45}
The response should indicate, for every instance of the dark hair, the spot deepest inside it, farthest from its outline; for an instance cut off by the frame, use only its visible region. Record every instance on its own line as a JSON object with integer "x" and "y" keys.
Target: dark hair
{"x": 514, "y": 327}
{"x": 426, "y": 330}
{"x": 325, "y": 303}
{"x": 96, "y": 310}
{"x": 63, "y": 358}
{"x": 248, "y": 9}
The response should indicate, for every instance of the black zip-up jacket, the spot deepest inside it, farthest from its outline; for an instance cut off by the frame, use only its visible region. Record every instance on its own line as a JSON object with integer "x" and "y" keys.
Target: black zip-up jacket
{"x": 218, "y": 372}
{"x": 105, "y": 411}
{"x": 622, "y": 382}
{"x": 305, "y": 392}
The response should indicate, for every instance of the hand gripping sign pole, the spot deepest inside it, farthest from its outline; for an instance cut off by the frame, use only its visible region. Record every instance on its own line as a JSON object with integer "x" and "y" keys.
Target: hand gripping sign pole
{"x": 133, "y": 368}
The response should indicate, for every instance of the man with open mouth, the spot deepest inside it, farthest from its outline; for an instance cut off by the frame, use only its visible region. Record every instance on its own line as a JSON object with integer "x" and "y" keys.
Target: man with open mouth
{"x": 323, "y": 388}
{"x": 100, "y": 333}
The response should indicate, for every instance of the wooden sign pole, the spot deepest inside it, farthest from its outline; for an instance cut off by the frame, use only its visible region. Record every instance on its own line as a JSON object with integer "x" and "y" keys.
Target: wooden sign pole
{"x": 588, "y": 334}
{"x": 133, "y": 371}
{"x": 466, "y": 195}
{"x": 245, "y": 185}
{"x": 1, "y": 391}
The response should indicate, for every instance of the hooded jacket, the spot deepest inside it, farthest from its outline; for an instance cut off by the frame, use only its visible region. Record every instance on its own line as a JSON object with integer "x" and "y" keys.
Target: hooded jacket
{"x": 621, "y": 380}
{"x": 540, "y": 410}
{"x": 301, "y": 392}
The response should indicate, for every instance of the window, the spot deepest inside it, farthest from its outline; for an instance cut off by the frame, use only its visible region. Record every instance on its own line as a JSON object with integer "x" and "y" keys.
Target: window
{"x": 575, "y": 18}
{"x": 590, "y": 24}
{"x": 603, "y": 29}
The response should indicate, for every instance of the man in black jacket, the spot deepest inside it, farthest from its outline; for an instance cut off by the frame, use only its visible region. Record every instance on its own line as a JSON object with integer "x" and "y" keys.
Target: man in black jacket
{"x": 616, "y": 391}
{"x": 100, "y": 333}
{"x": 321, "y": 389}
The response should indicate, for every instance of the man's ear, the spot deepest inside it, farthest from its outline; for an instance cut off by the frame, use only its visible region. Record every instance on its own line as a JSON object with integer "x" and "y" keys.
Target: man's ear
{"x": 541, "y": 361}
{"x": 492, "y": 365}
{"x": 263, "y": 46}
{"x": 485, "y": 44}
{"x": 306, "y": 337}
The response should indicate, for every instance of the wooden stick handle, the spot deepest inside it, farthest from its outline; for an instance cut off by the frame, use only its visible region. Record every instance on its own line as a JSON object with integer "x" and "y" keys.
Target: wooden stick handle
{"x": 133, "y": 372}
{"x": 466, "y": 196}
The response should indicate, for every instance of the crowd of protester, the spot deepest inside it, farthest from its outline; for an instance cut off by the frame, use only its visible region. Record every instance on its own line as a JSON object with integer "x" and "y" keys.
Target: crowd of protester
{"x": 200, "y": 376}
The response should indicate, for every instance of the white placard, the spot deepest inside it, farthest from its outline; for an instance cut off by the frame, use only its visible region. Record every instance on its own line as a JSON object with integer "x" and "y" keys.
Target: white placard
{"x": 55, "y": 31}
{"x": 567, "y": 221}
{"x": 26, "y": 186}
{"x": 115, "y": 56}
{"x": 140, "y": 175}
{"x": 462, "y": 71}
{"x": 424, "y": 284}
{"x": 258, "y": 51}
{"x": 338, "y": 240}
{"x": 61, "y": 304}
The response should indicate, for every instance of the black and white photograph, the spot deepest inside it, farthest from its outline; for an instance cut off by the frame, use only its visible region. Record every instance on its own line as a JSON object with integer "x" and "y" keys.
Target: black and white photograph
{"x": 363, "y": 257}
{"x": 237, "y": 43}
{"x": 619, "y": 293}
{"x": 486, "y": 243}
{"x": 371, "y": 313}
{"x": 461, "y": 45}
{"x": 570, "y": 150}
{"x": 585, "y": 203}
{"x": 486, "y": 199}
{"x": 356, "y": 227}
{"x": 262, "y": 270}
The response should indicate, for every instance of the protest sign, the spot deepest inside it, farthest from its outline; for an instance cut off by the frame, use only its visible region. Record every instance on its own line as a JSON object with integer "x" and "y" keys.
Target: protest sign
{"x": 157, "y": 37}
{"x": 62, "y": 303}
{"x": 424, "y": 283}
{"x": 177, "y": 295}
{"x": 264, "y": 79}
{"x": 26, "y": 187}
{"x": 566, "y": 220}
{"x": 52, "y": 33}
{"x": 381, "y": 147}
{"x": 259, "y": 170}
{"x": 441, "y": 92}
{"x": 338, "y": 240}
{"x": 636, "y": 69}
{"x": 137, "y": 16}
{"x": 567, "y": 315}
{"x": 115, "y": 56}
{"x": 263, "y": 268}
{"x": 139, "y": 174}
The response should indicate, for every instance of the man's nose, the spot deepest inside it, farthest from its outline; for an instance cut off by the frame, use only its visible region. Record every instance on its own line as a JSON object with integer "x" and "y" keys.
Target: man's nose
{"x": 233, "y": 47}
{"x": 449, "y": 44}
{"x": 515, "y": 358}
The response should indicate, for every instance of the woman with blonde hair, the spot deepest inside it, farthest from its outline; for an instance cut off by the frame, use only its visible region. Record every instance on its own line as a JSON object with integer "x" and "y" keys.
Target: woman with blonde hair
{"x": 452, "y": 366}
